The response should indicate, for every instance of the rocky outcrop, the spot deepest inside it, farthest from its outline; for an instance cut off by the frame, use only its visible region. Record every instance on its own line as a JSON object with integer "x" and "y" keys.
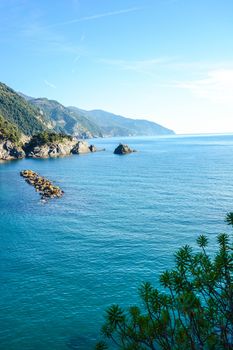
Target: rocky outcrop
{"x": 123, "y": 149}
{"x": 9, "y": 150}
{"x": 50, "y": 150}
{"x": 94, "y": 149}
{"x": 42, "y": 185}
{"x": 83, "y": 147}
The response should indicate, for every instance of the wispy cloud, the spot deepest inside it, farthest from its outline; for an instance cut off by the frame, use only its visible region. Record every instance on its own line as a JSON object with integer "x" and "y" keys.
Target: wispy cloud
{"x": 173, "y": 63}
{"x": 49, "y": 84}
{"x": 95, "y": 16}
{"x": 140, "y": 66}
{"x": 216, "y": 85}
{"x": 212, "y": 81}
{"x": 43, "y": 40}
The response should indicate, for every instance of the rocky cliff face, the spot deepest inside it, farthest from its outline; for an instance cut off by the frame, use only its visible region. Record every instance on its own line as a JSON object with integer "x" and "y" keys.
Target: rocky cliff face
{"x": 9, "y": 151}
{"x": 51, "y": 150}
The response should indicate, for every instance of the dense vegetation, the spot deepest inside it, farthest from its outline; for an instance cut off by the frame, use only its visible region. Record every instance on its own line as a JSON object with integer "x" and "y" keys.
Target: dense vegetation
{"x": 193, "y": 310}
{"x": 46, "y": 137}
{"x": 9, "y": 131}
{"x": 18, "y": 111}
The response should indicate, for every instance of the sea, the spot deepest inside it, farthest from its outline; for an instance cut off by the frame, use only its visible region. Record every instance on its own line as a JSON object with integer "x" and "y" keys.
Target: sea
{"x": 119, "y": 223}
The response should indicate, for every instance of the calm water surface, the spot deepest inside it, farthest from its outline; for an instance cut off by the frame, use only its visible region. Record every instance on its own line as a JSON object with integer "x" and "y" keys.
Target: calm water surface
{"x": 118, "y": 224}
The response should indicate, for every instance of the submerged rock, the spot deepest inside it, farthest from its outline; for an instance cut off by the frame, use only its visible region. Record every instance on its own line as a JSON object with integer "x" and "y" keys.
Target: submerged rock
{"x": 123, "y": 149}
{"x": 42, "y": 185}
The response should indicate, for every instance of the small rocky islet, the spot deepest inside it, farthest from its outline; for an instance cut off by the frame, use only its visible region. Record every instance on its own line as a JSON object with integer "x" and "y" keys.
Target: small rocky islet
{"x": 42, "y": 185}
{"x": 123, "y": 149}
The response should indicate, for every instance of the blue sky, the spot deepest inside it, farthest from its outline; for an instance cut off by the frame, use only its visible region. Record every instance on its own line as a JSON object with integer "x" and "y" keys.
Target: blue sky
{"x": 170, "y": 61}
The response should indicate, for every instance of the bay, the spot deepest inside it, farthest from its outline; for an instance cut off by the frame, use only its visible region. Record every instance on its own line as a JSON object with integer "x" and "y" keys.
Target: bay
{"x": 118, "y": 224}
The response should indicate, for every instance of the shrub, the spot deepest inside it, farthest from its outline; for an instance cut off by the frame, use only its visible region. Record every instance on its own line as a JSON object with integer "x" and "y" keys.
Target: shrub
{"x": 194, "y": 310}
{"x": 47, "y": 137}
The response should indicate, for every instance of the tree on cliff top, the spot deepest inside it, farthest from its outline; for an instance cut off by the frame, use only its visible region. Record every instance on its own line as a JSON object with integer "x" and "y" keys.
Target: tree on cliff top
{"x": 47, "y": 137}
{"x": 194, "y": 310}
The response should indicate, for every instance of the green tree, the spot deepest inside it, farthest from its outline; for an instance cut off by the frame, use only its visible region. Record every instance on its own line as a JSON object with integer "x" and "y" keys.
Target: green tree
{"x": 14, "y": 108}
{"x": 9, "y": 131}
{"x": 229, "y": 219}
{"x": 194, "y": 310}
{"x": 47, "y": 137}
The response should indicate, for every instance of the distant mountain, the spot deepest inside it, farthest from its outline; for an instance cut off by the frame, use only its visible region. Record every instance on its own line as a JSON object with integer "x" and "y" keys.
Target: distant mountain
{"x": 63, "y": 119}
{"x": 16, "y": 110}
{"x": 31, "y": 115}
{"x": 95, "y": 123}
{"x": 116, "y": 125}
{"x": 21, "y": 113}
{"x": 26, "y": 97}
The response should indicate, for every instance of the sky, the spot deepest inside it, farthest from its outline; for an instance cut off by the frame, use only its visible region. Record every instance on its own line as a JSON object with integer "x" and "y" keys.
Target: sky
{"x": 169, "y": 61}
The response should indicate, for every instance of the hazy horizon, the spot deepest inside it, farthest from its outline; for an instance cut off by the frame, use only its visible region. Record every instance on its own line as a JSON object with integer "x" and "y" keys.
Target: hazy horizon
{"x": 167, "y": 61}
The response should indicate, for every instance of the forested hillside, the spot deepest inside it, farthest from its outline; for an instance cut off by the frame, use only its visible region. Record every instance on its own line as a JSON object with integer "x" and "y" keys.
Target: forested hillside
{"x": 18, "y": 111}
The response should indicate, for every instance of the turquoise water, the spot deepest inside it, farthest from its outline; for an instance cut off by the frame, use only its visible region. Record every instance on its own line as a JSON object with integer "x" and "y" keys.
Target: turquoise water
{"x": 120, "y": 220}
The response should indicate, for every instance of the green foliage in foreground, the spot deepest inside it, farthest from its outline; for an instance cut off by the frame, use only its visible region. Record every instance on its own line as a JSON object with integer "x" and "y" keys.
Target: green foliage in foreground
{"x": 195, "y": 310}
{"x": 9, "y": 131}
{"x": 46, "y": 137}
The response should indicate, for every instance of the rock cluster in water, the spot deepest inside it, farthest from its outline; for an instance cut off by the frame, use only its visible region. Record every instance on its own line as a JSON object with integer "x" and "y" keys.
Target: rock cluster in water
{"x": 123, "y": 149}
{"x": 42, "y": 185}
{"x": 83, "y": 147}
